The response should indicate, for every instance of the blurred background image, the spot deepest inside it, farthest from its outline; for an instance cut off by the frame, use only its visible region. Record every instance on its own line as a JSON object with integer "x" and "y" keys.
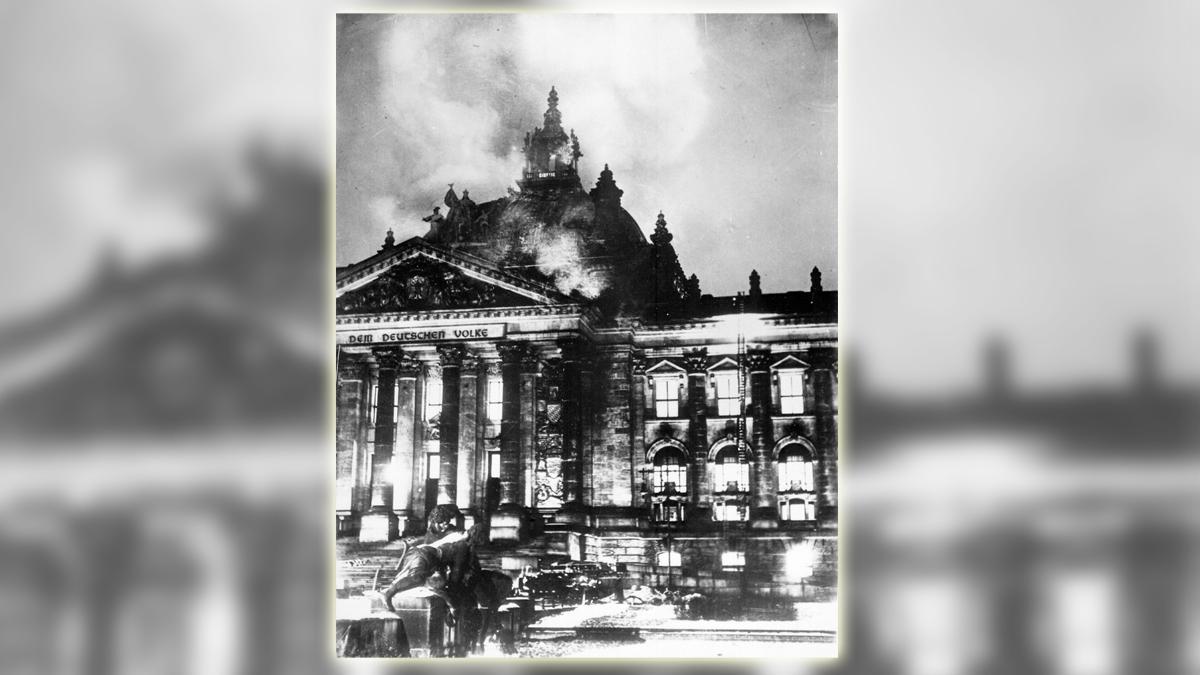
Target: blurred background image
{"x": 1018, "y": 282}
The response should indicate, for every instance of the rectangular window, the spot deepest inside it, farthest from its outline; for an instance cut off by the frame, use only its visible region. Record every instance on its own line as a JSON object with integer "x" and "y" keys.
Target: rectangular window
{"x": 666, "y": 396}
{"x": 433, "y": 465}
{"x": 791, "y": 392}
{"x": 729, "y": 512}
{"x": 374, "y": 403}
{"x": 433, "y": 397}
{"x": 495, "y": 400}
{"x": 669, "y": 511}
{"x": 731, "y": 559}
{"x": 396, "y": 403}
{"x": 493, "y": 465}
{"x": 669, "y": 559}
{"x": 729, "y": 403}
{"x": 797, "y": 509}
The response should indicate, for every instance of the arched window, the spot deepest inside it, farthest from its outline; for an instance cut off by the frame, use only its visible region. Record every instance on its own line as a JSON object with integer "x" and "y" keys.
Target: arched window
{"x": 670, "y": 471}
{"x": 795, "y": 469}
{"x": 730, "y": 475}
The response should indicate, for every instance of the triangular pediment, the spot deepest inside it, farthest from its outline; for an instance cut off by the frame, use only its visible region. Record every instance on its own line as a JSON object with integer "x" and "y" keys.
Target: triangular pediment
{"x": 418, "y": 276}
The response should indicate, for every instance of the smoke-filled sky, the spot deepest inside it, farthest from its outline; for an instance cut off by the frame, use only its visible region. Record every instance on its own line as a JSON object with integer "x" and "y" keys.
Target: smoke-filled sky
{"x": 726, "y": 123}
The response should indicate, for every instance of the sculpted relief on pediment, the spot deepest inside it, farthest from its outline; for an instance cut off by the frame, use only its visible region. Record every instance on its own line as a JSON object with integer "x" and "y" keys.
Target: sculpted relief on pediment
{"x": 422, "y": 284}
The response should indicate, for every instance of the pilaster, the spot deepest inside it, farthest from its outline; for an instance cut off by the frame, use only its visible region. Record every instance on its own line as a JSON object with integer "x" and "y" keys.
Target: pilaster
{"x": 764, "y": 512}
{"x": 696, "y": 361}
{"x": 824, "y": 363}
{"x": 573, "y": 510}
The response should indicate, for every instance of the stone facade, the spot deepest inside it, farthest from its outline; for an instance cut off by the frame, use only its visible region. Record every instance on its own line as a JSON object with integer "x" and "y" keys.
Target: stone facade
{"x": 681, "y": 435}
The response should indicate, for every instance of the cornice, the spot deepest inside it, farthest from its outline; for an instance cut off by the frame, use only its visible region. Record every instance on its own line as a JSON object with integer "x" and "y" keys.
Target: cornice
{"x": 445, "y": 315}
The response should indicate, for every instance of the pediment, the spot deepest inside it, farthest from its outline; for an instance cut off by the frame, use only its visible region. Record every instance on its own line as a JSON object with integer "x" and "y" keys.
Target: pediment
{"x": 417, "y": 276}
{"x": 665, "y": 367}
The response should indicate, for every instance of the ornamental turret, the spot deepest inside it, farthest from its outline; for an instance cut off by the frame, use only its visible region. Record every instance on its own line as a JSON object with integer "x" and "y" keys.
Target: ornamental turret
{"x": 551, "y": 155}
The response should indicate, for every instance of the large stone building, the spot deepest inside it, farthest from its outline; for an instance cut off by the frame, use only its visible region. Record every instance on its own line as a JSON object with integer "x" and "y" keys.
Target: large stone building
{"x": 536, "y": 361}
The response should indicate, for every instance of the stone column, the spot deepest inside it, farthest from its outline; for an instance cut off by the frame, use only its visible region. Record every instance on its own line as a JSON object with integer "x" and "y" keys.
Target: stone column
{"x": 467, "y": 427}
{"x": 507, "y": 522}
{"x": 381, "y": 523}
{"x": 487, "y": 434}
{"x": 404, "y": 455}
{"x": 571, "y": 392}
{"x": 530, "y": 366}
{"x": 823, "y": 362}
{"x": 350, "y": 431}
{"x": 696, "y": 361}
{"x": 451, "y": 358}
{"x": 764, "y": 512}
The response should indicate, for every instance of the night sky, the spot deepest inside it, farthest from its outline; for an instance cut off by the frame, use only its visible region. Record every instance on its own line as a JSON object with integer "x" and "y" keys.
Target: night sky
{"x": 726, "y": 123}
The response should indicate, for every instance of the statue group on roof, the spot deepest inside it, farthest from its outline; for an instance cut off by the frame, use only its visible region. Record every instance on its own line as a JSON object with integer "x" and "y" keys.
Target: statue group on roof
{"x": 463, "y": 220}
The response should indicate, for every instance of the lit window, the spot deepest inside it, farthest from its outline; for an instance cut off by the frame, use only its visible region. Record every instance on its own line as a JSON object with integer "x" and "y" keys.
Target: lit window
{"x": 670, "y": 471}
{"x": 374, "y": 404}
{"x": 791, "y": 392}
{"x": 731, "y": 510}
{"x": 730, "y": 475}
{"x": 667, "y": 511}
{"x": 433, "y": 466}
{"x": 795, "y": 469}
{"x": 666, "y": 396}
{"x": 798, "y": 508}
{"x": 493, "y": 464}
{"x": 800, "y": 560}
{"x": 433, "y": 397}
{"x": 733, "y": 559}
{"x": 729, "y": 403}
{"x": 669, "y": 559}
{"x": 495, "y": 400}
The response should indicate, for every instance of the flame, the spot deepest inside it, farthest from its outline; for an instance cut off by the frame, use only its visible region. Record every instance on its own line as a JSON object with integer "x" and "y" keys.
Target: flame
{"x": 559, "y": 255}
{"x": 559, "y": 251}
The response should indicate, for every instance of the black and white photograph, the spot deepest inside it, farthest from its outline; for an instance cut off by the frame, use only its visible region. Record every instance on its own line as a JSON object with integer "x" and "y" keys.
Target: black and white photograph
{"x": 587, "y": 335}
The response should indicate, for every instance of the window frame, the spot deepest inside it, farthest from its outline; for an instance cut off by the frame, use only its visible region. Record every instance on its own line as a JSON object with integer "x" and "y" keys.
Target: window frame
{"x": 433, "y": 404}
{"x": 673, "y": 384}
{"x": 741, "y": 470}
{"x": 796, "y": 377}
{"x": 727, "y": 406}
{"x": 661, "y": 470}
{"x": 807, "y": 469}
{"x": 495, "y": 400}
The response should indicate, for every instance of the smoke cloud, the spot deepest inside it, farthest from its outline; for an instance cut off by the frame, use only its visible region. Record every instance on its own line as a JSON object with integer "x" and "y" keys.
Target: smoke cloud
{"x": 433, "y": 100}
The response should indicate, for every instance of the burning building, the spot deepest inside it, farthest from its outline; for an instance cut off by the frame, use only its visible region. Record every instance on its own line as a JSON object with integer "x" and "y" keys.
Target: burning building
{"x": 538, "y": 362}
